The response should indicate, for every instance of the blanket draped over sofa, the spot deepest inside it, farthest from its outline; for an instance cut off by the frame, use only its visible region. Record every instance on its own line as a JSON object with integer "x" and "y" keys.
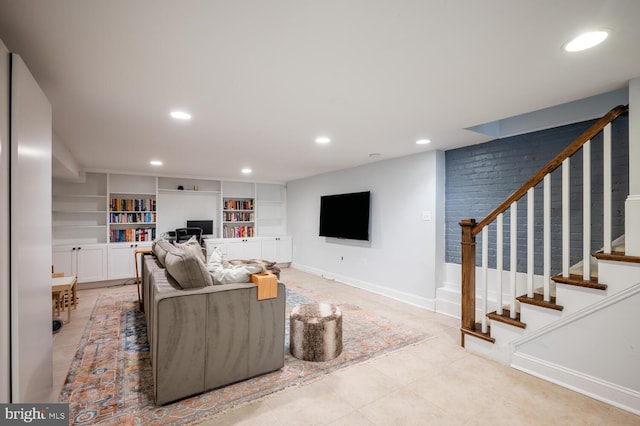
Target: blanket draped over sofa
{"x": 207, "y": 337}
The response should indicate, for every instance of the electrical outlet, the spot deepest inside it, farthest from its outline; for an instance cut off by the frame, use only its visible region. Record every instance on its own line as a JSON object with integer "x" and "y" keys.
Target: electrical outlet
{"x": 426, "y": 215}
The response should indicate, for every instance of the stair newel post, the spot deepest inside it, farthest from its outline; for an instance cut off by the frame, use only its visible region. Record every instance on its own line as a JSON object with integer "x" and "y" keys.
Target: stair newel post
{"x": 468, "y": 261}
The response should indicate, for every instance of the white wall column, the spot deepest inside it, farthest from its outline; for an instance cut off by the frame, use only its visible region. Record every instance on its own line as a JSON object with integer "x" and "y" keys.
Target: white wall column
{"x": 632, "y": 205}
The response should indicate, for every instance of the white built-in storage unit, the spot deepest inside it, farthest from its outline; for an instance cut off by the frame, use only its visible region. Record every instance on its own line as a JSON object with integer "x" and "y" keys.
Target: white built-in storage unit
{"x": 101, "y": 219}
{"x": 79, "y": 227}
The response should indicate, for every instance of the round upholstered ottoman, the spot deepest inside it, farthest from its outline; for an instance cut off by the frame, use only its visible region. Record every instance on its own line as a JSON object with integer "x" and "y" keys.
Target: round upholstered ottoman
{"x": 315, "y": 332}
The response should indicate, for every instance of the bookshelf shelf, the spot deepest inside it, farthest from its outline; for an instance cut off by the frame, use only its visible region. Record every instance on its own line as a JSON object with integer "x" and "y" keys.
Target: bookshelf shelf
{"x": 238, "y": 217}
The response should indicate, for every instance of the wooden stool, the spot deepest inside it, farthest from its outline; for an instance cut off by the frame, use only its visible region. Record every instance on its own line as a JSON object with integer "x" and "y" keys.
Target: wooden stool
{"x": 315, "y": 332}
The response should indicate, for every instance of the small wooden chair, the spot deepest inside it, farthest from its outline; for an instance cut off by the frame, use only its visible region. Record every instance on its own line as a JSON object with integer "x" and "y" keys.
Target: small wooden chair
{"x": 57, "y": 302}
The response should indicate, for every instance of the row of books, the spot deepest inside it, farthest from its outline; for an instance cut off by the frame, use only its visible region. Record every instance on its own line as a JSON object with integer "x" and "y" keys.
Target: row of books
{"x": 237, "y": 216}
{"x": 132, "y": 204}
{"x": 238, "y": 204}
{"x": 132, "y": 235}
{"x": 237, "y": 231}
{"x": 147, "y": 217}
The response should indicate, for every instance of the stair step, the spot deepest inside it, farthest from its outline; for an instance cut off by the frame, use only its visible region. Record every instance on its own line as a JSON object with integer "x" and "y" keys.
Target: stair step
{"x": 538, "y": 300}
{"x": 477, "y": 332}
{"x": 577, "y": 280}
{"x": 506, "y": 318}
{"x": 619, "y": 256}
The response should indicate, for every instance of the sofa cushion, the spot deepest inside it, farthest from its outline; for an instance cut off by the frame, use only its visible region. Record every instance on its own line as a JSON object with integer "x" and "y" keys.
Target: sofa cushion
{"x": 160, "y": 248}
{"x": 194, "y": 246}
{"x": 187, "y": 268}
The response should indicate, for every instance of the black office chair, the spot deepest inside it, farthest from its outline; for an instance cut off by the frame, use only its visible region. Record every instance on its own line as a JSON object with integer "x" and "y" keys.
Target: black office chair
{"x": 183, "y": 234}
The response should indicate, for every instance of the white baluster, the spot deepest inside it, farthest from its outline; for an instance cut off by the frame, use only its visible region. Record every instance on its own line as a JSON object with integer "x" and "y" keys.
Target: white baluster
{"x": 586, "y": 211}
{"x": 513, "y": 246}
{"x": 546, "y": 273}
{"x": 499, "y": 262}
{"x": 485, "y": 279}
{"x": 530, "y": 242}
{"x": 566, "y": 224}
{"x": 606, "y": 186}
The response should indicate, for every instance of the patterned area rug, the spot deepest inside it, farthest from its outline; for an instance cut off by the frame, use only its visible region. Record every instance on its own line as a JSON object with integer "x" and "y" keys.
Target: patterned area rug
{"x": 110, "y": 381}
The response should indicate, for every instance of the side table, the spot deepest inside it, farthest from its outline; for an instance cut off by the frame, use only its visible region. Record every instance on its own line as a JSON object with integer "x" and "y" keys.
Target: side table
{"x": 67, "y": 286}
{"x": 137, "y": 251}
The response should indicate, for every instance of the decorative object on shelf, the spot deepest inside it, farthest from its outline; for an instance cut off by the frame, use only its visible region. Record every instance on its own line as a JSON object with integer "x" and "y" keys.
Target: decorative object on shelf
{"x": 180, "y": 187}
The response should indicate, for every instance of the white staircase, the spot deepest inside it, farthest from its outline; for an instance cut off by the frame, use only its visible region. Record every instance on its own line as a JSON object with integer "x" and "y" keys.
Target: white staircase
{"x": 580, "y": 328}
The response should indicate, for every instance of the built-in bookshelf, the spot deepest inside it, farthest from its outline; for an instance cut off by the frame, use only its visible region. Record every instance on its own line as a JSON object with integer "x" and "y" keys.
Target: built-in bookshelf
{"x": 238, "y": 217}
{"x": 132, "y": 218}
{"x": 132, "y": 208}
{"x": 79, "y": 210}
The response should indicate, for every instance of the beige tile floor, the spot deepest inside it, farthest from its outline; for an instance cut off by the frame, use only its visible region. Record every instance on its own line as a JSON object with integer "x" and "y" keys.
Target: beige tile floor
{"x": 435, "y": 382}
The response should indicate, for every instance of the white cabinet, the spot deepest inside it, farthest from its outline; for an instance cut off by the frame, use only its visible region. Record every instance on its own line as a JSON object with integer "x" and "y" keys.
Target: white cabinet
{"x": 121, "y": 259}
{"x": 88, "y": 262}
{"x": 243, "y": 248}
{"x": 277, "y": 249}
{"x": 212, "y": 244}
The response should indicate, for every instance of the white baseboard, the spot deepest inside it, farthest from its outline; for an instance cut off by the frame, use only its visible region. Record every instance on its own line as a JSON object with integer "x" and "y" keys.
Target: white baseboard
{"x": 610, "y": 393}
{"x": 411, "y": 299}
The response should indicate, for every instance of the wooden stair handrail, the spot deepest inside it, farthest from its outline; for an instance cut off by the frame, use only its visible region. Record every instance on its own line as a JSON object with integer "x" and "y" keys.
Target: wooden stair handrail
{"x": 552, "y": 165}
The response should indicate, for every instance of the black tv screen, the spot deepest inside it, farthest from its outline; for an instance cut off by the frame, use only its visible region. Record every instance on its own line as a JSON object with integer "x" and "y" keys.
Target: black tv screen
{"x": 205, "y": 225}
{"x": 345, "y": 216}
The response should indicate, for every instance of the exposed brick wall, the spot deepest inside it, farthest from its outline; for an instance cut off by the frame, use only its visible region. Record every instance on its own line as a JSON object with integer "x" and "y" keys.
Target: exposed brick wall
{"x": 480, "y": 177}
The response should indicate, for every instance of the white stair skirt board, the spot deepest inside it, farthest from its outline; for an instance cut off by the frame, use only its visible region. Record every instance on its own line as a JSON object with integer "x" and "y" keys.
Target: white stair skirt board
{"x": 618, "y": 276}
{"x": 594, "y": 351}
{"x": 593, "y": 387}
{"x": 574, "y": 298}
{"x": 499, "y": 351}
{"x": 537, "y": 317}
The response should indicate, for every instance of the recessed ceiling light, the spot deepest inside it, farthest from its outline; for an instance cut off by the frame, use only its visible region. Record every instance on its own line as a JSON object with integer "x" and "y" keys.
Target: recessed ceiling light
{"x": 181, "y": 115}
{"x": 423, "y": 141}
{"x": 586, "y": 41}
{"x": 323, "y": 139}
{"x": 246, "y": 170}
{"x": 155, "y": 163}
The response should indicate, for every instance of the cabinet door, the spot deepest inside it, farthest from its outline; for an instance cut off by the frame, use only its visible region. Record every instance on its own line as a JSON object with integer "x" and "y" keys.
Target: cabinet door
{"x": 269, "y": 249}
{"x": 213, "y": 244}
{"x": 252, "y": 249}
{"x": 277, "y": 249}
{"x": 121, "y": 261}
{"x": 284, "y": 249}
{"x": 64, "y": 259}
{"x": 243, "y": 248}
{"x": 92, "y": 263}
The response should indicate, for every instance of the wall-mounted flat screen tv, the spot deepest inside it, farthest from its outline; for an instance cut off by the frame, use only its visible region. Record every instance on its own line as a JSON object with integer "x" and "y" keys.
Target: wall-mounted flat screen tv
{"x": 205, "y": 225}
{"x": 345, "y": 216}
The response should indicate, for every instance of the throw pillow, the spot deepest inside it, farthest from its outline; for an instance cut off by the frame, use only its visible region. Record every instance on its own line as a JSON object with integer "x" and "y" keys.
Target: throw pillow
{"x": 193, "y": 246}
{"x": 187, "y": 269}
{"x": 160, "y": 248}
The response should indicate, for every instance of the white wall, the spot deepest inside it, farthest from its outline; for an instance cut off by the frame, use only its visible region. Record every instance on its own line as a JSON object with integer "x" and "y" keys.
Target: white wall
{"x": 5, "y": 366}
{"x": 405, "y": 255}
{"x": 30, "y": 255}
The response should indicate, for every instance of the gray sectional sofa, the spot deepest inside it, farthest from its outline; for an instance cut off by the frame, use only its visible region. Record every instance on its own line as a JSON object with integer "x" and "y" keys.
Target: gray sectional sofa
{"x": 207, "y": 337}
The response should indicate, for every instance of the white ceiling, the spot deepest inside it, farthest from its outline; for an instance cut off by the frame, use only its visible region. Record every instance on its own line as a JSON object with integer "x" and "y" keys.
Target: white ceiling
{"x": 262, "y": 78}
